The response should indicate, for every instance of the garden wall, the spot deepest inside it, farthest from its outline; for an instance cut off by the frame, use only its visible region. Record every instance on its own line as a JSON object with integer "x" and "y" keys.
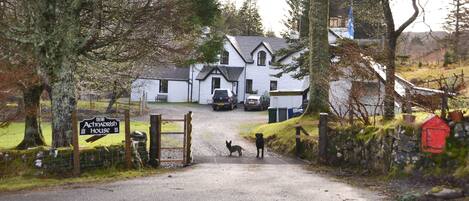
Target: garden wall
{"x": 397, "y": 150}
{"x": 44, "y": 161}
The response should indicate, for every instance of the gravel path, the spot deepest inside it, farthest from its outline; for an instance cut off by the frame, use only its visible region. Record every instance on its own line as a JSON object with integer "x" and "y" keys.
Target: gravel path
{"x": 215, "y": 175}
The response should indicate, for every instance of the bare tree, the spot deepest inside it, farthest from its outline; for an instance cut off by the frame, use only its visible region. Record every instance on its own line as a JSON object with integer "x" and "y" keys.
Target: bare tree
{"x": 390, "y": 48}
{"x": 63, "y": 33}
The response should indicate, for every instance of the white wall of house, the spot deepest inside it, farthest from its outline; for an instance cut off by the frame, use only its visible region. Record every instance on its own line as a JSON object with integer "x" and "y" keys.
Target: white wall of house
{"x": 242, "y": 87}
{"x": 372, "y": 99}
{"x": 260, "y": 75}
{"x": 287, "y": 82}
{"x": 235, "y": 60}
{"x": 194, "y": 71}
{"x": 177, "y": 90}
{"x": 291, "y": 101}
{"x": 339, "y": 95}
{"x": 206, "y": 88}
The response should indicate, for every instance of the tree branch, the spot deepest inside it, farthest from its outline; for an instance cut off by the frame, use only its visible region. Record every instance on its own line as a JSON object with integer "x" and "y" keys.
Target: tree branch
{"x": 410, "y": 20}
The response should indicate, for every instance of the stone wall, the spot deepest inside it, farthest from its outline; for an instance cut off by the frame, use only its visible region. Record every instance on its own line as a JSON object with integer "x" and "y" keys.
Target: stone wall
{"x": 398, "y": 149}
{"x": 43, "y": 161}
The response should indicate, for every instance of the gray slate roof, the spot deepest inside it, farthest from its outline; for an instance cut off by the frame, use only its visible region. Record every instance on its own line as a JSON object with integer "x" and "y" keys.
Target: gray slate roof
{"x": 246, "y": 44}
{"x": 165, "y": 71}
{"x": 230, "y": 73}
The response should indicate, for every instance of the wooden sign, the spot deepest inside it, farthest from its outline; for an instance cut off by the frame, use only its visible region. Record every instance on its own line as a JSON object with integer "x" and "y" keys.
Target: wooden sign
{"x": 99, "y": 126}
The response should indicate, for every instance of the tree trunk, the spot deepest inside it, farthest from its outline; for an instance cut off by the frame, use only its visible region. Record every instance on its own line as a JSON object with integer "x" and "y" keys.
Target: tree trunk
{"x": 63, "y": 104}
{"x": 32, "y": 131}
{"x": 319, "y": 57}
{"x": 391, "y": 40}
{"x": 114, "y": 96}
{"x": 389, "y": 99}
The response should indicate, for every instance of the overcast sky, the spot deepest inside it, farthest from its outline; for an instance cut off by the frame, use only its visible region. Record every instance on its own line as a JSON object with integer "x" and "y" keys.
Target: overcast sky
{"x": 274, "y": 11}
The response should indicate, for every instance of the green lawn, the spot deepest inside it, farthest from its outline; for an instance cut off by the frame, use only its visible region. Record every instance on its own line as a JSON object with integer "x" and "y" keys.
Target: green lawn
{"x": 13, "y": 134}
{"x": 281, "y": 136}
{"x": 428, "y": 73}
{"x": 100, "y": 105}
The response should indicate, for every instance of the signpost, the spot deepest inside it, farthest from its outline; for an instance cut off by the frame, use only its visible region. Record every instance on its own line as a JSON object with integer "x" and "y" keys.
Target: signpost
{"x": 99, "y": 126}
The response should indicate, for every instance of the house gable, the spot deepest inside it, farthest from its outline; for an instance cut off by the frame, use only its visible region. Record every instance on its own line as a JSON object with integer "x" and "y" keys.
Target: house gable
{"x": 232, "y": 46}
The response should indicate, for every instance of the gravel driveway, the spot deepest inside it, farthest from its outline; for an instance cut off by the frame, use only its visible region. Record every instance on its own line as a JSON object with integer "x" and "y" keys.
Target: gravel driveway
{"x": 215, "y": 176}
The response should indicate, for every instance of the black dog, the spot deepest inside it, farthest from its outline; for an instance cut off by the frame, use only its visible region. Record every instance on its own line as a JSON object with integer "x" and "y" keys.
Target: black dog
{"x": 260, "y": 144}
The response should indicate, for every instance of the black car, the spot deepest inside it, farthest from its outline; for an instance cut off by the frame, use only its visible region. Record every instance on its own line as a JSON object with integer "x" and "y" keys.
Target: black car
{"x": 256, "y": 103}
{"x": 224, "y": 98}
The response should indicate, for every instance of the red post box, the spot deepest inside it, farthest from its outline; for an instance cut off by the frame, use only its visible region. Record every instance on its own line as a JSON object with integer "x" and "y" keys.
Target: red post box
{"x": 434, "y": 134}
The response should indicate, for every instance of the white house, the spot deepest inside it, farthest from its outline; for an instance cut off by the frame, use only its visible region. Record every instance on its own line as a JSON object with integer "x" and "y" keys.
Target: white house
{"x": 245, "y": 67}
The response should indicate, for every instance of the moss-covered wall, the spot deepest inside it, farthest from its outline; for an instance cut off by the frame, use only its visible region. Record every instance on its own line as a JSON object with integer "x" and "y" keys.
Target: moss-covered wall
{"x": 396, "y": 150}
{"x": 43, "y": 161}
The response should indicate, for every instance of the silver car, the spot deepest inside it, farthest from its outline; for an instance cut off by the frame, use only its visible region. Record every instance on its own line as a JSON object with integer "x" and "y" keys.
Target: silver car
{"x": 256, "y": 103}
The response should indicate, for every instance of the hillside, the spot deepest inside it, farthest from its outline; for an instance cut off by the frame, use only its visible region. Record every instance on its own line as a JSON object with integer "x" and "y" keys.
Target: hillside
{"x": 422, "y": 47}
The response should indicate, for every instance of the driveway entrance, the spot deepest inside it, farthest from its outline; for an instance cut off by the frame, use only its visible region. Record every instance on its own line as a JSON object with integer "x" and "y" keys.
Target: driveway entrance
{"x": 215, "y": 176}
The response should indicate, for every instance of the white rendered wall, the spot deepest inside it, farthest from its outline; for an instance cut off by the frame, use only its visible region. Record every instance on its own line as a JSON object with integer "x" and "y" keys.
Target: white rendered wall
{"x": 286, "y": 101}
{"x": 177, "y": 90}
{"x": 260, "y": 75}
{"x": 234, "y": 60}
{"x": 287, "y": 82}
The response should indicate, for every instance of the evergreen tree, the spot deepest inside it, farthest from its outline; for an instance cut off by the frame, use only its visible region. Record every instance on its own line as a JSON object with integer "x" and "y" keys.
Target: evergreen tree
{"x": 250, "y": 19}
{"x": 457, "y": 23}
{"x": 230, "y": 21}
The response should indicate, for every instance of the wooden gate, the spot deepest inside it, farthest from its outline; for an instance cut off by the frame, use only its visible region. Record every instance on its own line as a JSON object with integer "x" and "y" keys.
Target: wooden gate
{"x": 159, "y": 148}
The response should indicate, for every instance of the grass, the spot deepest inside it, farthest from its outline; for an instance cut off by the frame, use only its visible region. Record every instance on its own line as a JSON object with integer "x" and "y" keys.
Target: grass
{"x": 12, "y": 135}
{"x": 91, "y": 177}
{"x": 281, "y": 136}
{"x": 428, "y": 73}
{"x": 100, "y": 105}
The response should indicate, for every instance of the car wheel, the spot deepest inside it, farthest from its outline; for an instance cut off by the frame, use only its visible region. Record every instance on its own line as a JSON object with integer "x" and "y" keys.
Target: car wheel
{"x": 245, "y": 109}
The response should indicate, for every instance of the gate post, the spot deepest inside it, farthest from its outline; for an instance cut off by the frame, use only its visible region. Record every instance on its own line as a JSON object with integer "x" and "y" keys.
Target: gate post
{"x": 76, "y": 145}
{"x": 298, "y": 141}
{"x": 155, "y": 130}
{"x": 128, "y": 153}
{"x": 188, "y": 138}
{"x": 323, "y": 137}
{"x": 184, "y": 148}
{"x": 158, "y": 139}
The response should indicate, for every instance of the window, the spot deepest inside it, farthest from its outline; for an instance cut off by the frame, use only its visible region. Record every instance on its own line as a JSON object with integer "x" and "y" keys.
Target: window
{"x": 249, "y": 86}
{"x": 261, "y": 58}
{"x": 163, "y": 86}
{"x": 224, "y": 57}
{"x": 215, "y": 83}
{"x": 273, "y": 85}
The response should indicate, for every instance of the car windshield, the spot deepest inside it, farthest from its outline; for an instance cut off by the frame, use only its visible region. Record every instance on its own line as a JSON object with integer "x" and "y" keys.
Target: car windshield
{"x": 219, "y": 93}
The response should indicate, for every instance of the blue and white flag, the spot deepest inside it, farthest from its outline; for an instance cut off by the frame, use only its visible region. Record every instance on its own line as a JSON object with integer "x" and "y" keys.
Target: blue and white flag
{"x": 350, "y": 27}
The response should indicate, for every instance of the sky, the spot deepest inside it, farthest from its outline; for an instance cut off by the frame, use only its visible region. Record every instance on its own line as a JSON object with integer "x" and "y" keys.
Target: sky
{"x": 274, "y": 11}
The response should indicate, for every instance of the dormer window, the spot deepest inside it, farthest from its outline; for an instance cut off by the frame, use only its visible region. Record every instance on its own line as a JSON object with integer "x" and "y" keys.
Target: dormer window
{"x": 261, "y": 57}
{"x": 224, "y": 57}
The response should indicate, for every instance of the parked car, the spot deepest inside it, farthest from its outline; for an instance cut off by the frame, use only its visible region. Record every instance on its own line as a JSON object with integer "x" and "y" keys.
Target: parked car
{"x": 256, "y": 103}
{"x": 224, "y": 98}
